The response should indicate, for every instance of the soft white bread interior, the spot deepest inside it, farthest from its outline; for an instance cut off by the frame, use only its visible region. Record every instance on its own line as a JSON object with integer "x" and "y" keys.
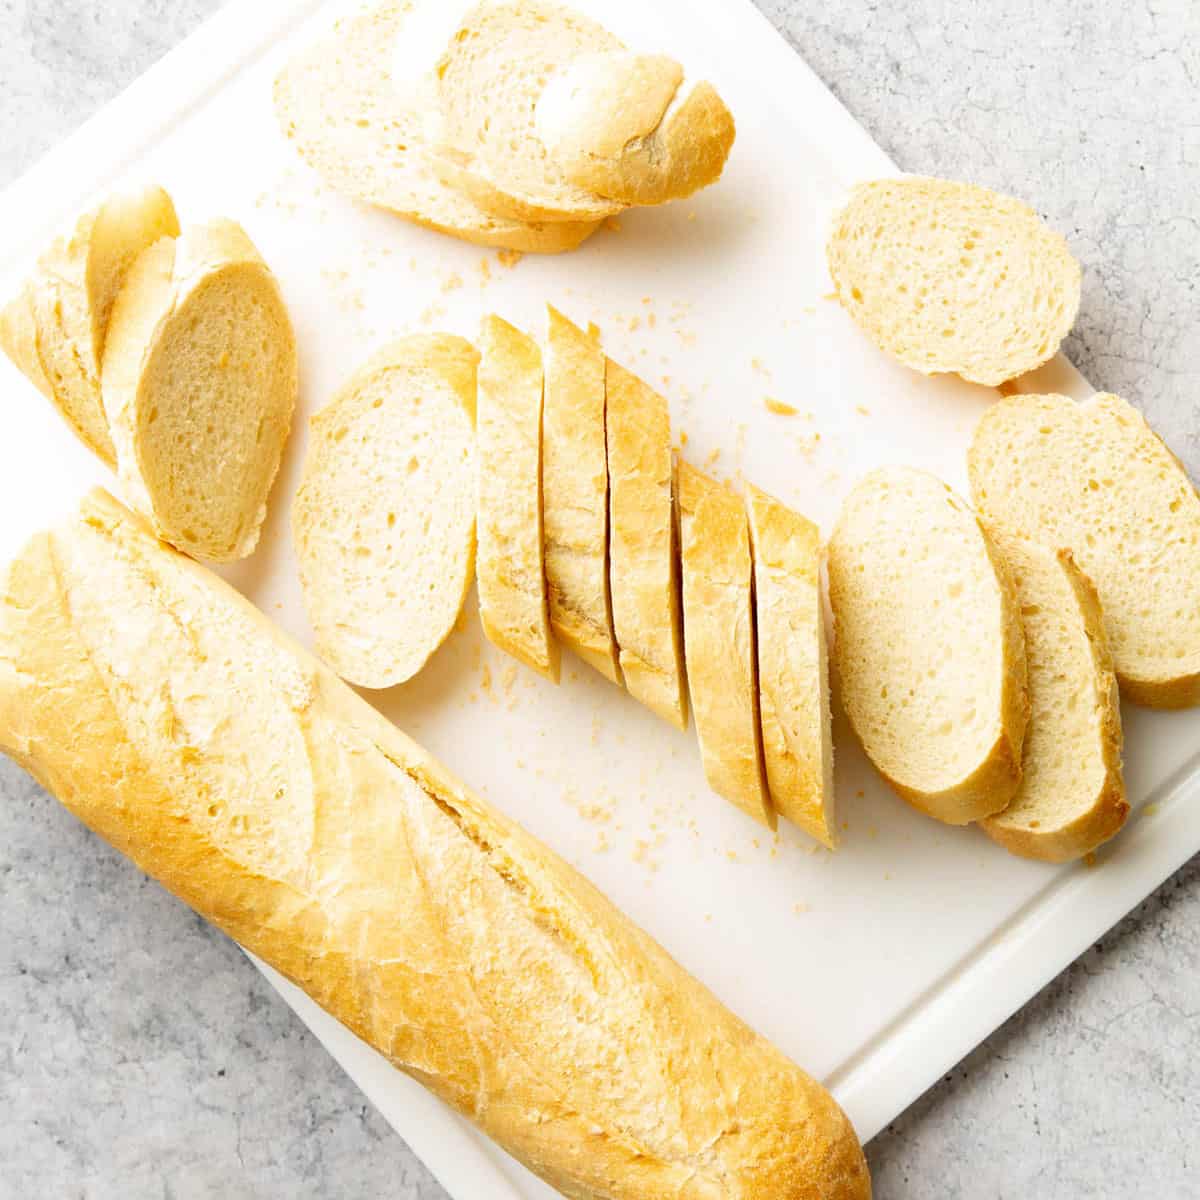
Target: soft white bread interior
{"x": 510, "y": 569}
{"x": 793, "y": 665}
{"x": 56, "y": 328}
{"x": 199, "y": 384}
{"x": 180, "y": 725}
{"x": 928, "y": 646}
{"x": 384, "y": 518}
{"x": 1094, "y": 478}
{"x": 1072, "y": 796}
{"x": 643, "y": 547}
{"x": 953, "y": 277}
{"x": 362, "y": 131}
{"x": 575, "y": 494}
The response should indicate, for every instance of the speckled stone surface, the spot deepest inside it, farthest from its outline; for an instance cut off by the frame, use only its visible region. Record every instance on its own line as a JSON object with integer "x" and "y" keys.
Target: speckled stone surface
{"x": 142, "y": 1056}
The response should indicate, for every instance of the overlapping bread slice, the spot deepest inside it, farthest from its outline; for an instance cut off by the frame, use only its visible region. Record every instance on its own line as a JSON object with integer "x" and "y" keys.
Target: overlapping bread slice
{"x": 384, "y": 518}
{"x": 928, "y": 645}
{"x": 793, "y": 665}
{"x": 362, "y": 131}
{"x": 512, "y": 580}
{"x": 55, "y": 329}
{"x": 1094, "y": 478}
{"x": 953, "y": 277}
{"x": 199, "y": 384}
{"x": 1072, "y": 796}
{"x": 719, "y": 641}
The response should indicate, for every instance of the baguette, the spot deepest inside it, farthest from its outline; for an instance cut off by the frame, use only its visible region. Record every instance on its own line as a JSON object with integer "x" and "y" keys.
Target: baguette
{"x": 180, "y": 725}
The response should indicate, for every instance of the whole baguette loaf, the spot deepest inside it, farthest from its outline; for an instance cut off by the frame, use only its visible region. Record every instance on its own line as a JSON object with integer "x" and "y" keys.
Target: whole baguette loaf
{"x": 172, "y": 718}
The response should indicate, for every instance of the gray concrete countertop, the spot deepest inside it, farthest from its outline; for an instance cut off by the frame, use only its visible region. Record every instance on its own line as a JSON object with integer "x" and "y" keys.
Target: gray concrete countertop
{"x": 142, "y": 1056}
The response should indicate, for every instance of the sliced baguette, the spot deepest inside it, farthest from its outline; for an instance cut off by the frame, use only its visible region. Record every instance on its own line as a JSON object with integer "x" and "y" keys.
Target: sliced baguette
{"x": 793, "y": 665}
{"x": 1094, "y": 478}
{"x": 510, "y": 571}
{"x": 363, "y": 133}
{"x": 1072, "y": 796}
{"x": 575, "y": 495}
{"x": 55, "y": 330}
{"x": 928, "y": 645}
{"x": 384, "y": 518}
{"x": 953, "y": 277}
{"x": 643, "y": 560}
{"x": 199, "y": 384}
{"x": 719, "y": 642}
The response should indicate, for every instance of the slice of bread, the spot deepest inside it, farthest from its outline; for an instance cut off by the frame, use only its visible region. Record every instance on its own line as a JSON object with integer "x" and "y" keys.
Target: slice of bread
{"x": 199, "y": 383}
{"x": 719, "y": 641}
{"x": 1072, "y": 796}
{"x": 928, "y": 646}
{"x": 384, "y": 518}
{"x": 510, "y": 570}
{"x": 793, "y": 665}
{"x": 1094, "y": 478}
{"x": 575, "y": 495}
{"x": 362, "y": 132}
{"x": 643, "y": 561}
{"x": 56, "y": 328}
{"x": 953, "y": 277}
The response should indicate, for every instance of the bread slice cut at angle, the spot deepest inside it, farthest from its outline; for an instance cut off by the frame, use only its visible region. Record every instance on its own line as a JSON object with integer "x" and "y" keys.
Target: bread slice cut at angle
{"x": 643, "y": 547}
{"x": 793, "y": 665}
{"x": 384, "y": 518}
{"x": 575, "y": 495}
{"x": 362, "y": 132}
{"x": 928, "y": 646}
{"x": 512, "y": 580}
{"x": 199, "y": 384}
{"x": 1094, "y": 478}
{"x": 56, "y": 327}
{"x": 719, "y": 641}
{"x": 1072, "y": 796}
{"x": 953, "y": 277}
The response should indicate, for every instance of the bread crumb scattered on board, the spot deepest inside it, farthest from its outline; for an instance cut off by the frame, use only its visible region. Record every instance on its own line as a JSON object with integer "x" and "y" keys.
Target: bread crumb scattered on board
{"x": 452, "y": 282}
{"x": 778, "y": 407}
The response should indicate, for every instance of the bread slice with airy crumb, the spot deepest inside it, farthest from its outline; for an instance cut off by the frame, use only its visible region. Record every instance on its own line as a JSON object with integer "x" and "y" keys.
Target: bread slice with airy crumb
{"x": 56, "y": 328}
{"x": 953, "y": 277}
{"x": 384, "y": 519}
{"x": 1072, "y": 795}
{"x": 719, "y": 641}
{"x": 643, "y": 566}
{"x": 575, "y": 495}
{"x": 1096, "y": 479}
{"x": 199, "y": 383}
{"x": 510, "y": 570}
{"x": 793, "y": 665}
{"x": 928, "y": 646}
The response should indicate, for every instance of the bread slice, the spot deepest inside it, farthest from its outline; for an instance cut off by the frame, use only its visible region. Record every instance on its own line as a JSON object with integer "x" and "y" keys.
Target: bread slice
{"x": 928, "y": 646}
{"x": 643, "y": 560}
{"x": 575, "y": 495}
{"x": 56, "y": 327}
{"x": 953, "y": 277}
{"x": 1095, "y": 478}
{"x": 793, "y": 665}
{"x": 384, "y": 518}
{"x": 199, "y": 383}
{"x": 510, "y": 571}
{"x": 362, "y": 131}
{"x": 719, "y": 641}
{"x": 1072, "y": 796}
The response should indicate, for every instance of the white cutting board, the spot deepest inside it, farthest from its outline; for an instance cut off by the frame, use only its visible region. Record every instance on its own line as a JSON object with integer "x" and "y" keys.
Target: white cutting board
{"x": 876, "y": 968}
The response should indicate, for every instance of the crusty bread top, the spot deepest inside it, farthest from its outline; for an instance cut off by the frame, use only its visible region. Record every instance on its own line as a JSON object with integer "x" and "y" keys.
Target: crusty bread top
{"x": 1094, "y": 478}
{"x": 953, "y": 277}
{"x": 928, "y": 645}
{"x": 384, "y": 519}
{"x": 362, "y": 132}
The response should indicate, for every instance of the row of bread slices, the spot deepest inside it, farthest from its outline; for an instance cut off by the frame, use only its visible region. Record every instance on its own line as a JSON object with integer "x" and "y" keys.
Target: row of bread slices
{"x": 589, "y": 534}
{"x": 520, "y": 125}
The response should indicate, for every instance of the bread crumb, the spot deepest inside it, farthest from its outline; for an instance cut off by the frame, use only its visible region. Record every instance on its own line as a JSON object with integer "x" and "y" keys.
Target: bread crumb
{"x": 863, "y": 409}
{"x": 732, "y": 855}
{"x": 452, "y": 283}
{"x": 1150, "y": 809}
{"x": 800, "y": 907}
{"x": 509, "y": 258}
{"x": 830, "y": 296}
{"x": 692, "y": 215}
{"x": 1089, "y": 859}
{"x": 485, "y": 680}
{"x": 757, "y": 364}
{"x": 713, "y": 455}
{"x": 708, "y": 916}
{"x": 778, "y": 407}
{"x": 683, "y": 438}
{"x": 432, "y": 313}
{"x": 651, "y": 320}
{"x": 509, "y": 677}
{"x": 602, "y": 842}
{"x": 485, "y": 271}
